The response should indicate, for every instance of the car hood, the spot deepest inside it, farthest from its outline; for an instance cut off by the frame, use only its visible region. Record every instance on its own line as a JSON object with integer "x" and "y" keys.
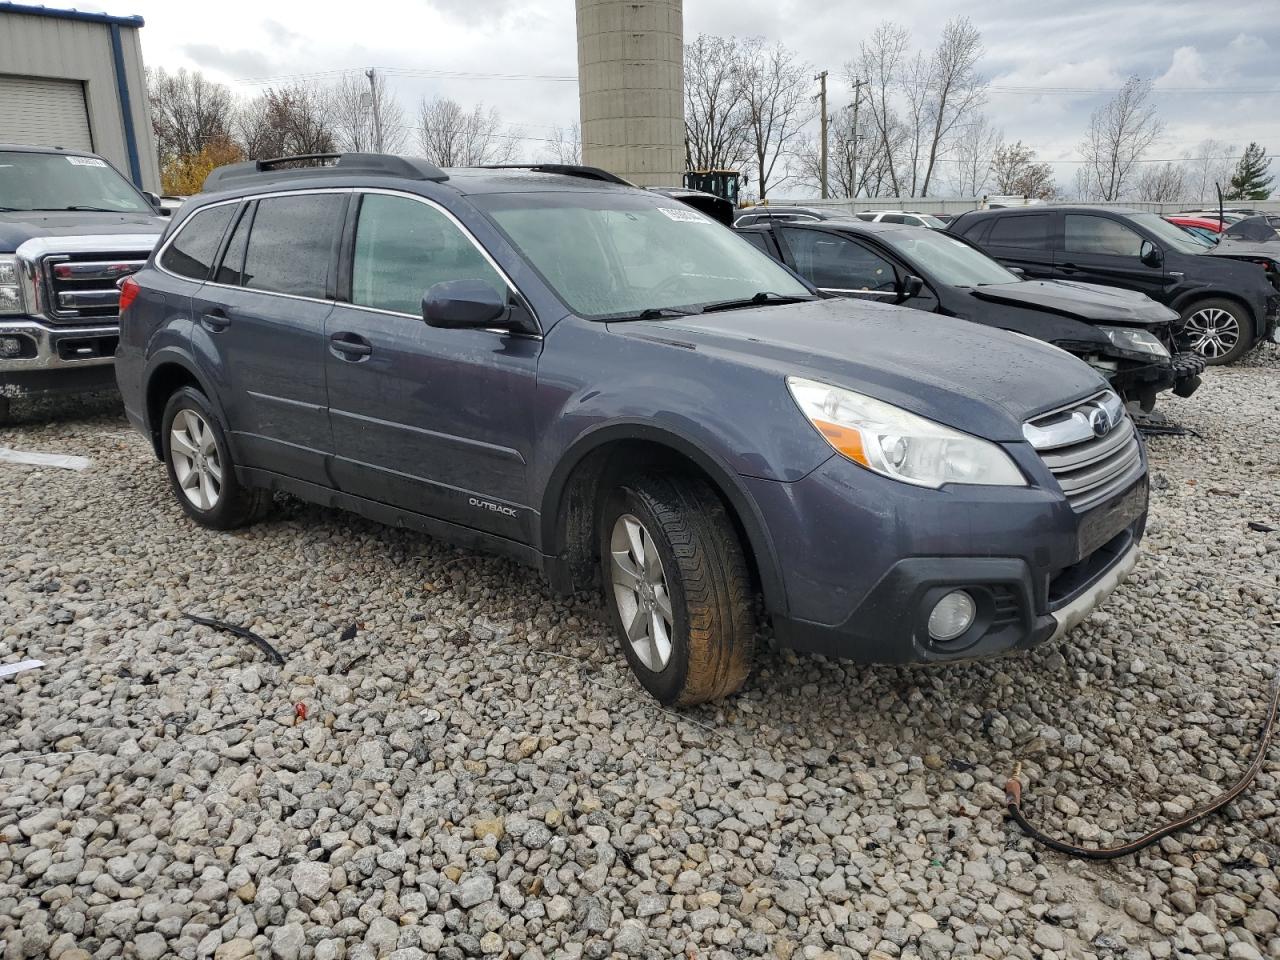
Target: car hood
{"x": 1231, "y": 248}
{"x": 967, "y": 376}
{"x": 16, "y": 227}
{"x": 1081, "y": 301}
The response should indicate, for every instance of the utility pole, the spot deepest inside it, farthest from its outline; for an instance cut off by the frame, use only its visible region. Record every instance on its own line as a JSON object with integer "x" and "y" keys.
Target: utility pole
{"x": 853, "y": 135}
{"x": 377, "y": 113}
{"x": 822, "y": 153}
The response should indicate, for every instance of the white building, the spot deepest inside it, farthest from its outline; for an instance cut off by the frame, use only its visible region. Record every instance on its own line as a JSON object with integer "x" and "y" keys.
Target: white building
{"x": 73, "y": 79}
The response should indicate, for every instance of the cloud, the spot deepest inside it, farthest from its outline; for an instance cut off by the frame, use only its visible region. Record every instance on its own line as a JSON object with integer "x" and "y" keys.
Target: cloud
{"x": 234, "y": 63}
{"x": 1186, "y": 70}
{"x": 279, "y": 33}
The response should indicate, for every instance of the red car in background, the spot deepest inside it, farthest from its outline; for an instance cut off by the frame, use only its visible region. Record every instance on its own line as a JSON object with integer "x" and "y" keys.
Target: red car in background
{"x": 1203, "y": 223}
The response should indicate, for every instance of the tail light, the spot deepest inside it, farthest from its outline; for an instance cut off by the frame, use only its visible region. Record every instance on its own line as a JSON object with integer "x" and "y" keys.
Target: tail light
{"x": 128, "y": 292}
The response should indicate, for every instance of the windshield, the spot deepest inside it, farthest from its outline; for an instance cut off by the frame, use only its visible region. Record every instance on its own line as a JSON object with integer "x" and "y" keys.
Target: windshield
{"x": 1167, "y": 232}
{"x": 933, "y": 222}
{"x": 949, "y": 261}
{"x": 63, "y": 181}
{"x": 617, "y": 254}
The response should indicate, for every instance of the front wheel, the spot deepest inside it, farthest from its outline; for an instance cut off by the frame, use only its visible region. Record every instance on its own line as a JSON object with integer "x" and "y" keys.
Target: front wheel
{"x": 677, "y": 588}
{"x": 1221, "y": 331}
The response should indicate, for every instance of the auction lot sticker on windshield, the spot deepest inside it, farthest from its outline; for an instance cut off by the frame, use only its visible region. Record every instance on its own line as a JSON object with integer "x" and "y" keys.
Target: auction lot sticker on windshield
{"x": 86, "y": 162}
{"x": 687, "y": 215}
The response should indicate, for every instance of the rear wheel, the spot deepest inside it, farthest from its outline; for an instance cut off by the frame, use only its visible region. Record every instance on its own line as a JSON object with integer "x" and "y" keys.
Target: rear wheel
{"x": 1221, "y": 331}
{"x": 201, "y": 472}
{"x": 677, "y": 588}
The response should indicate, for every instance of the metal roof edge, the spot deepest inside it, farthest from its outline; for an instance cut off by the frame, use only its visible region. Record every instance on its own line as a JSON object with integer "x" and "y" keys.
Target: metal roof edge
{"x": 81, "y": 15}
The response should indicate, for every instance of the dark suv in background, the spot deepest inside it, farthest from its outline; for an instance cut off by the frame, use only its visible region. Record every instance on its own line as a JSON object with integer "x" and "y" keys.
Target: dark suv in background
{"x": 610, "y": 386}
{"x": 1226, "y": 307}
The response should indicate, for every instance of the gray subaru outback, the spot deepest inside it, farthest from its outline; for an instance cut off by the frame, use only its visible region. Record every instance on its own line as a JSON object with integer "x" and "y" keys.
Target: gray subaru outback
{"x": 607, "y": 385}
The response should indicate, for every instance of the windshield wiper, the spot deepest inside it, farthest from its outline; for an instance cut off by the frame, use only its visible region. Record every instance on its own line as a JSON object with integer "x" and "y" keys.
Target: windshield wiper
{"x": 654, "y": 313}
{"x": 761, "y": 298}
{"x": 77, "y": 207}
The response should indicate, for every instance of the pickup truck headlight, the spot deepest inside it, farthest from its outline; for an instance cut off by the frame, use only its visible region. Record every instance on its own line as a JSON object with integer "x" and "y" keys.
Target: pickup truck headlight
{"x": 1135, "y": 341}
{"x": 10, "y": 292}
{"x": 898, "y": 444}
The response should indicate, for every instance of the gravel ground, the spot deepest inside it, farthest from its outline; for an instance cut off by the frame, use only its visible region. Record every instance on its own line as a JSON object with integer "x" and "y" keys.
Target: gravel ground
{"x": 477, "y": 774}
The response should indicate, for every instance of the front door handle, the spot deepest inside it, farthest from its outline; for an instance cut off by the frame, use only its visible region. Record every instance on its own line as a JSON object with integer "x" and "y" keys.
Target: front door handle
{"x": 215, "y": 321}
{"x": 350, "y": 346}
{"x": 1070, "y": 268}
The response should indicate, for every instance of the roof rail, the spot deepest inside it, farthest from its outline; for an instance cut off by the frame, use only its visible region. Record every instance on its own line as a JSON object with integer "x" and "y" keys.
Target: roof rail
{"x": 566, "y": 169}
{"x": 313, "y": 164}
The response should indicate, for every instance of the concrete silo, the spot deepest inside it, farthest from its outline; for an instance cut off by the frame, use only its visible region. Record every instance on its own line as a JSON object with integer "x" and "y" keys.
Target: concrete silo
{"x": 631, "y": 88}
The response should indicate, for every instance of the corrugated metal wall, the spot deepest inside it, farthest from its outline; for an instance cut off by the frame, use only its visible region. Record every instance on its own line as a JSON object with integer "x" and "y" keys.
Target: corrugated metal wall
{"x": 39, "y": 46}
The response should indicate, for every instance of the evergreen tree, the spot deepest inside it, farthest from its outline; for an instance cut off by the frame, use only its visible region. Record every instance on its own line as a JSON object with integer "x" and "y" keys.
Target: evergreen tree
{"x": 1251, "y": 181}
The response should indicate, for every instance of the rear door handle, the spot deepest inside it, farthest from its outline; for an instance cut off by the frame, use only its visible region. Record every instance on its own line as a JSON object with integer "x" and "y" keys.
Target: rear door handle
{"x": 215, "y": 321}
{"x": 350, "y": 346}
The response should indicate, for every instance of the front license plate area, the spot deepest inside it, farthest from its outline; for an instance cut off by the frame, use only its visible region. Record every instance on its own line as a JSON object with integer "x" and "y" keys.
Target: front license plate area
{"x": 1102, "y": 523}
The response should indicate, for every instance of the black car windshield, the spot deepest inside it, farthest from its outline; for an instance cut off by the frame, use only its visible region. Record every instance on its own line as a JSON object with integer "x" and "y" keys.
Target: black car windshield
{"x": 612, "y": 254}
{"x": 64, "y": 181}
{"x": 947, "y": 260}
{"x": 1166, "y": 232}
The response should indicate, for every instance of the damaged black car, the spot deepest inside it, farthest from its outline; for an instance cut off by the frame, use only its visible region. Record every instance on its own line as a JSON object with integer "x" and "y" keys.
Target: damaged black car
{"x": 1124, "y": 335}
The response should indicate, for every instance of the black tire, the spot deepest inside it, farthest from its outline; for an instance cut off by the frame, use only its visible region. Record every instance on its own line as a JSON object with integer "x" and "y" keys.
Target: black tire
{"x": 235, "y": 504}
{"x": 704, "y": 575}
{"x": 1207, "y": 315}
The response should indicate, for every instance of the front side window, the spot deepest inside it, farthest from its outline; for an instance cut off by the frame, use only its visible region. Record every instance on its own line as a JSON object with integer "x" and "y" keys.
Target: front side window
{"x": 833, "y": 262}
{"x": 612, "y": 254}
{"x": 1028, "y": 230}
{"x": 1100, "y": 235}
{"x": 292, "y": 242}
{"x": 403, "y": 247}
{"x": 65, "y": 181}
{"x": 191, "y": 252}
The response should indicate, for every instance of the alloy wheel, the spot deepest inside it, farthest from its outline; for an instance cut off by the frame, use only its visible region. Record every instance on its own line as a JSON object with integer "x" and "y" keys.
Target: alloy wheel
{"x": 196, "y": 463}
{"x": 1212, "y": 332}
{"x": 641, "y": 593}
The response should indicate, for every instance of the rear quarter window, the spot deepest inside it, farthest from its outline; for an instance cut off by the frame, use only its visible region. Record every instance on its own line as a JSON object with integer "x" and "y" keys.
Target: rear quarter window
{"x": 192, "y": 250}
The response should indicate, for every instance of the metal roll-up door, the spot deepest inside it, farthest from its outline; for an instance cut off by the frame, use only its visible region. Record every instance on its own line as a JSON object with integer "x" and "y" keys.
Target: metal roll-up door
{"x": 44, "y": 112}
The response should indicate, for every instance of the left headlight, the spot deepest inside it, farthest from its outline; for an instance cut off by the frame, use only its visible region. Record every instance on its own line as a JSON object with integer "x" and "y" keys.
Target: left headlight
{"x": 1135, "y": 341}
{"x": 10, "y": 292}
{"x": 898, "y": 444}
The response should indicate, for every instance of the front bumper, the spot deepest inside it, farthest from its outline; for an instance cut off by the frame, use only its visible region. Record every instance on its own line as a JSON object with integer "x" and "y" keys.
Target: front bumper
{"x": 870, "y": 557}
{"x": 1143, "y": 382}
{"x": 50, "y": 359}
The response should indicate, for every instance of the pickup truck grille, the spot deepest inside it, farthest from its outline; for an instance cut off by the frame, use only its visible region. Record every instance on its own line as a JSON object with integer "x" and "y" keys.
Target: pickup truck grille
{"x": 1090, "y": 463}
{"x": 82, "y": 286}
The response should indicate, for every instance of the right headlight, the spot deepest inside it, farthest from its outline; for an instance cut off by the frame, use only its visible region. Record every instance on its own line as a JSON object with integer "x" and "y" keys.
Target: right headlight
{"x": 898, "y": 444}
{"x": 10, "y": 292}
{"x": 1133, "y": 340}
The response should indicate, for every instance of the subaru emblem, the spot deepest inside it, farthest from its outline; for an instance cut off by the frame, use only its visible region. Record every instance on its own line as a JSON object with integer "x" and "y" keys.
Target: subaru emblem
{"x": 1100, "y": 421}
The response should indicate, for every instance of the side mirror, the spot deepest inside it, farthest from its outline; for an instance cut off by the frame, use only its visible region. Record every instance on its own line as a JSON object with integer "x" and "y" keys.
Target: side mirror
{"x": 156, "y": 205}
{"x": 1150, "y": 254}
{"x": 464, "y": 304}
{"x": 911, "y": 286}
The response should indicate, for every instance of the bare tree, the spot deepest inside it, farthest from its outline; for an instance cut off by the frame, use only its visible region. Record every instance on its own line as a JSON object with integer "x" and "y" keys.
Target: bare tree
{"x": 955, "y": 89}
{"x": 565, "y": 145}
{"x": 774, "y": 88}
{"x": 973, "y": 152}
{"x": 354, "y": 104}
{"x": 451, "y": 136}
{"x": 285, "y": 121}
{"x": 188, "y": 112}
{"x": 1015, "y": 172}
{"x": 1211, "y": 165}
{"x": 878, "y": 66}
{"x": 715, "y": 116}
{"x": 1120, "y": 133}
{"x": 1162, "y": 182}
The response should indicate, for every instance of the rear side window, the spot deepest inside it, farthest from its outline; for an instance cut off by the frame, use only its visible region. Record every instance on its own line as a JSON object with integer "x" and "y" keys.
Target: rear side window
{"x": 403, "y": 247}
{"x": 192, "y": 251}
{"x": 893, "y": 218}
{"x": 1088, "y": 234}
{"x": 291, "y": 243}
{"x": 231, "y": 270}
{"x": 1029, "y": 230}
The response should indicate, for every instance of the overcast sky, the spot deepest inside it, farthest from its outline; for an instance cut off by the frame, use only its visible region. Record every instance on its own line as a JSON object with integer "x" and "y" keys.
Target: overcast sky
{"x": 1216, "y": 66}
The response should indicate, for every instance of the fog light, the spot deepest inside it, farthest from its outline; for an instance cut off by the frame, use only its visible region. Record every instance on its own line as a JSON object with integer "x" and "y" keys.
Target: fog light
{"x": 952, "y": 616}
{"x": 10, "y": 347}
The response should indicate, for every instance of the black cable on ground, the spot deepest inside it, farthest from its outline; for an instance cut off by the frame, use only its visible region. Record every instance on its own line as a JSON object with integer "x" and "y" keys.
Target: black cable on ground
{"x": 1013, "y": 799}
{"x": 241, "y": 632}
